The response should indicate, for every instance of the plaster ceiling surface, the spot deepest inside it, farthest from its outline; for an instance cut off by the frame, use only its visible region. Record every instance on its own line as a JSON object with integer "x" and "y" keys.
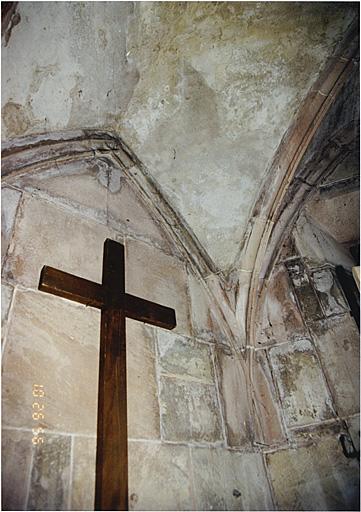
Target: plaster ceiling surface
{"x": 202, "y": 92}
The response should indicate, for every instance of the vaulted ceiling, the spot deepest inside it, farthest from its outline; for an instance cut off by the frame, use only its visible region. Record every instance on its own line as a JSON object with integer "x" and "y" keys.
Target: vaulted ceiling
{"x": 203, "y": 93}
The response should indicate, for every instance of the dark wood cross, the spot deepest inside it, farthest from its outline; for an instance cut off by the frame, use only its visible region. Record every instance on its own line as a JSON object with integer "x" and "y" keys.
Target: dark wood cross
{"x": 111, "y": 487}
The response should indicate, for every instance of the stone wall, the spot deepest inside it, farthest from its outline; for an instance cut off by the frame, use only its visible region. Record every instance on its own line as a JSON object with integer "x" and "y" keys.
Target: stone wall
{"x": 310, "y": 343}
{"x": 189, "y": 441}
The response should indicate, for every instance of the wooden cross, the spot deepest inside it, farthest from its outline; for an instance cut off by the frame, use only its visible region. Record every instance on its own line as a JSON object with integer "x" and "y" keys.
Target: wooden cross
{"x": 111, "y": 487}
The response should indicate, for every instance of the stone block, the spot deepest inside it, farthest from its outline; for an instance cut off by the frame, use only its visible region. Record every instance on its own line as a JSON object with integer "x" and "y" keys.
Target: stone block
{"x": 337, "y": 341}
{"x": 159, "y": 477}
{"x": 189, "y": 411}
{"x": 76, "y": 186}
{"x": 83, "y": 473}
{"x": 184, "y": 357}
{"x": 329, "y": 292}
{"x": 243, "y": 288}
{"x": 298, "y": 375}
{"x": 305, "y": 293}
{"x": 281, "y": 318}
{"x": 229, "y": 480}
{"x": 288, "y": 249}
{"x": 128, "y": 213}
{"x": 251, "y": 244}
{"x": 143, "y": 405}
{"x": 10, "y": 199}
{"x": 354, "y": 429}
{"x": 53, "y": 342}
{"x": 233, "y": 391}
{"x": 317, "y": 246}
{"x": 316, "y": 477}
{"x": 98, "y": 191}
{"x": 204, "y": 317}
{"x": 158, "y": 277}
{"x": 16, "y": 453}
{"x": 46, "y": 234}
{"x": 331, "y": 213}
{"x": 50, "y": 475}
{"x": 6, "y": 296}
{"x": 269, "y": 419}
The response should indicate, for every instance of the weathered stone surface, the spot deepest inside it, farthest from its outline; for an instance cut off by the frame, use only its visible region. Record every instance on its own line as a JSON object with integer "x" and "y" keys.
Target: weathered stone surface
{"x": 97, "y": 191}
{"x": 176, "y": 97}
{"x": 16, "y": 450}
{"x": 251, "y": 243}
{"x": 76, "y": 186}
{"x": 331, "y": 213}
{"x": 329, "y": 292}
{"x": 288, "y": 249}
{"x": 317, "y": 246}
{"x": 127, "y": 212}
{"x": 159, "y": 477}
{"x": 85, "y": 98}
{"x": 233, "y": 390}
{"x": 83, "y": 473}
{"x": 317, "y": 477}
{"x": 10, "y": 199}
{"x": 143, "y": 406}
{"x": 338, "y": 343}
{"x": 305, "y": 293}
{"x": 266, "y": 403}
{"x": 49, "y": 485}
{"x": 281, "y": 318}
{"x": 155, "y": 276}
{"x": 204, "y": 316}
{"x": 229, "y": 480}
{"x": 189, "y": 411}
{"x": 184, "y": 357}
{"x": 55, "y": 343}
{"x": 301, "y": 383}
{"x": 207, "y": 58}
{"x": 6, "y": 296}
{"x": 48, "y": 235}
{"x": 354, "y": 429}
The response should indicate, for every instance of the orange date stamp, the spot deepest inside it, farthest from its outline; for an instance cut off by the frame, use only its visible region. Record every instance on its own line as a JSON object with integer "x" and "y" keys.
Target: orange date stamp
{"x": 38, "y": 414}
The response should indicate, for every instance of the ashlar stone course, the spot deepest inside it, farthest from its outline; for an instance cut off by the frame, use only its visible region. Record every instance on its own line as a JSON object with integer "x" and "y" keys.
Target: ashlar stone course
{"x": 229, "y": 480}
{"x": 158, "y": 277}
{"x": 16, "y": 454}
{"x": 143, "y": 405}
{"x": 281, "y": 320}
{"x": 185, "y": 357}
{"x": 316, "y": 477}
{"x": 159, "y": 477}
{"x": 49, "y": 235}
{"x": 338, "y": 343}
{"x": 10, "y": 199}
{"x": 6, "y": 296}
{"x": 83, "y": 473}
{"x": 53, "y": 342}
{"x": 189, "y": 411}
{"x": 50, "y": 476}
{"x": 233, "y": 392}
{"x": 304, "y": 395}
{"x": 204, "y": 317}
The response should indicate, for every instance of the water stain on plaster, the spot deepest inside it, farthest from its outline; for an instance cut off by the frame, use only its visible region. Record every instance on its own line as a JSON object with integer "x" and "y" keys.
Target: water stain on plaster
{"x": 15, "y": 118}
{"x": 252, "y": 64}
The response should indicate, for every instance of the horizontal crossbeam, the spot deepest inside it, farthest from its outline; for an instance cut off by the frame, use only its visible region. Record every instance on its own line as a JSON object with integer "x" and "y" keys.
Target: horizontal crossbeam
{"x": 95, "y": 295}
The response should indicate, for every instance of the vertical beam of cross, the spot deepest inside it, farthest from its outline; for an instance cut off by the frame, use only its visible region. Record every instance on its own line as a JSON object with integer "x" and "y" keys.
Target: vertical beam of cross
{"x": 112, "y": 434}
{"x": 111, "y": 487}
